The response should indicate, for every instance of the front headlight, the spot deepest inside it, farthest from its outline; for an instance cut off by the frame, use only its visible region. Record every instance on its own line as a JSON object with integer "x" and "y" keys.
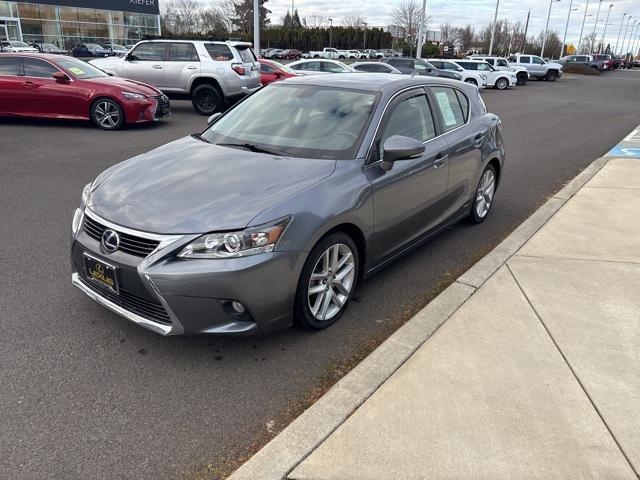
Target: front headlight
{"x": 86, "y": 194}
{"x": 133, "y": 96}
{"x": 244, "y": 243}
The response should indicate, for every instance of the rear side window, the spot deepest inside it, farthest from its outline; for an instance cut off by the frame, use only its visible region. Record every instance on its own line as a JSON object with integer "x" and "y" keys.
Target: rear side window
{"x": 38, "y": 68}
{"x": 219, "y": 52}
{"x": 266, "y": 68}
{"x": 9, "y": 66}
{"x": 149, "y": 52}
{"x": 502, "y": 63}
{"x": 182, "y": 52}
{"x": 246, "y": 54}
{"x": 464, "y": 104}
{"x": 468, "y": 65}
{"x": 411, "y": 118}
{"x": 438, "y": 64}
{"x": 449, "y": 106}
{"x": 332, "y": 67}
{"x": 525, "y": 60}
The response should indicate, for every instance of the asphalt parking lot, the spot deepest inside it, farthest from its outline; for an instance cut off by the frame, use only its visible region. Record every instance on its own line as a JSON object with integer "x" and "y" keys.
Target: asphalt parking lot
{"x": 85, "y": 394}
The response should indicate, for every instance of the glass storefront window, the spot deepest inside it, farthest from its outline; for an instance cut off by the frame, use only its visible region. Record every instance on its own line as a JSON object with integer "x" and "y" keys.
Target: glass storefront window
{"x": 69, "y": 14}
{"x": 86, "y": 15}
{"x": 28, "y": 10}
{"x": 7, "y": 9}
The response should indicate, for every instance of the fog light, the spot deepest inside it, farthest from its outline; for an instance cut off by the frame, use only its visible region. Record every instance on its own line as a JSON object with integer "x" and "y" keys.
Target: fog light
{"x": 238, "y": 307}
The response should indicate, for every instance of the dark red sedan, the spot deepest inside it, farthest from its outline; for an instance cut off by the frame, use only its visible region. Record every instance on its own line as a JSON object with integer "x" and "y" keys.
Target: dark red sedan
{"x": 271, "y": 71}
{"x": 53, "y": 86}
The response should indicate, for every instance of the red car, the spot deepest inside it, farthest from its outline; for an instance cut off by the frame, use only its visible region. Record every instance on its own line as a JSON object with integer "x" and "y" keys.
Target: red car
{"x": 271, "y": 71}
{"x": 54, "y": 86}
{"x": 290, "y": 54}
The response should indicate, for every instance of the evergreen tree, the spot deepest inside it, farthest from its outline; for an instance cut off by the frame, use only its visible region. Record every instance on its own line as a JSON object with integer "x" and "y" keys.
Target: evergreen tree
{"x": 243, "y": 20}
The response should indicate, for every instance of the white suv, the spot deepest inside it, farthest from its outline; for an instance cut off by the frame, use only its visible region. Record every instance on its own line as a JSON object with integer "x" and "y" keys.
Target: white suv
{"x": 209, "y": 72}
{"x": 501, "y": 63}
{"x": 495, "y": 78}
{"x": 479, "y": 79}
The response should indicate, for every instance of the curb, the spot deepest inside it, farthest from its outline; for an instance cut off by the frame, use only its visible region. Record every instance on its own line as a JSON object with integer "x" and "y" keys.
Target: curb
{"x": 291, "y": 446}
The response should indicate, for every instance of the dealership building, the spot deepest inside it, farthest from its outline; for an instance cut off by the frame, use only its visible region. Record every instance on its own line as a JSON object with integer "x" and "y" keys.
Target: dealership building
{"x": 66, "y": 23}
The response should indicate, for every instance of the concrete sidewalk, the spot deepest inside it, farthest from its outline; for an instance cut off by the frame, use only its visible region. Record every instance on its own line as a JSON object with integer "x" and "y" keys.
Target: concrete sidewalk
{"x": 528, "y": 366}
{"x": 537, "y": 375}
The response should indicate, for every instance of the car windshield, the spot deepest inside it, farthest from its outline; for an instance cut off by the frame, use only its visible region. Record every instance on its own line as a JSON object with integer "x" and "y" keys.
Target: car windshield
{"x": 93, "y": 46}
{"x": 79, "y": 69}
{"x": 305, "y": 121}
{"x": 19, "y": 44}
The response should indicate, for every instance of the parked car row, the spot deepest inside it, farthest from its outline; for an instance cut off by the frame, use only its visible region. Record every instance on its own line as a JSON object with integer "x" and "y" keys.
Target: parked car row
{"x": 336, "y": 54}
{"x": 601, "y": 62}
{"x": 277, "y": 53}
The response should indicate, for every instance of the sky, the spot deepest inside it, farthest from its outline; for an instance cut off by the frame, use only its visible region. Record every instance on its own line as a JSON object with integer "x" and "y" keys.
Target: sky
{"x": 478, "y": 13}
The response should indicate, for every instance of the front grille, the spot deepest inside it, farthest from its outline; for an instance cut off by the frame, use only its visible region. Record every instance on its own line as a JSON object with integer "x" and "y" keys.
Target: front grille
{"x": 131, "y": 244}
{"x": 163, "y": 107}
{"x": 150, "y": 310}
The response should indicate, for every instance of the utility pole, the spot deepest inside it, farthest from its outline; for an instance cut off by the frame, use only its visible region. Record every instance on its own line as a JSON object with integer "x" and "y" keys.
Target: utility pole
{"x": 256, "y": 26}
{"x": 566, "y": 28}
{"x": 421, "y": 30}
{"x": 365, "y": 35}
{"x": 624, "y": 37}
{"x": 526, "y": 29}
{"x": 615, "y": 50}
{"x": 330, "y": 30}
{"x": 630, "y": 36}
{"x": 493, "y": 30}
{"x": 605, "y": 29}
{"x": 595, "y": 26}
{"x": 546, "y": 28}
{"x": 584, "y": 19}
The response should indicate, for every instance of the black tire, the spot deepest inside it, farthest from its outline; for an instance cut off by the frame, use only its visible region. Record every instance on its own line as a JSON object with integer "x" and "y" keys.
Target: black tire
{"x": 471, "y": 81}
{"x": 474, "y": 217}
{"x": 502, "y": 83}
{"x": 522, "y": 79}
{"x": 552, "y": 76}
{"x": 107, "y": 114}
{"x": 341, "y": 56}
{"x": 206, "y": 99}
{"x": 302, "y": 312}
{"x": 316, "y": 56}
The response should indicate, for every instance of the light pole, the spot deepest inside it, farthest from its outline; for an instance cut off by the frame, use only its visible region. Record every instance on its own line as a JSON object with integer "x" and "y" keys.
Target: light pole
{"x": 595, "y": 26}
{"x": 564, "y": 40}
{"x": 330, "y": 30}
{"x": 635, "y": 42}
{"x": 546, "y": 28}
{"x": 421, "y": 30}
{"x": 605, "y": 29}
{"x": 630, "y": 36}
{"x": 584, "y": 19}
{"x": 365, "y": 35}
{"x": 615, "y": 50}
{"x": 256, "y": 26}
{"x": 493, "y": 30}
{"x": 624, "y": 37}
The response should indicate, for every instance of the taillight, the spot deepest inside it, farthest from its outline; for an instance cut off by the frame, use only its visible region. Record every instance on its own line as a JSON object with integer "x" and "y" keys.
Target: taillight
{"x": 238, "y": 68}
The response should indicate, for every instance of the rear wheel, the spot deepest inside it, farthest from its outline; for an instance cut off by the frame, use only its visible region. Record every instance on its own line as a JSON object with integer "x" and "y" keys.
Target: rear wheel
{"x": 502, "y": 83}
{"x": 206, "y": 100}
{"x": 471, "y": 81}
{"x": 485, "y": 192}
{"x": 522, "y": 79}
{"x": 327, "y": 282}
{"x": 552, "y": 76}
{"x": 107, "y": 114}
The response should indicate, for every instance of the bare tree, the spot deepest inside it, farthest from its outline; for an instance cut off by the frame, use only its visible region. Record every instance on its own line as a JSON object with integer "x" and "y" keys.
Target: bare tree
{"x": 353, "y": 21}
{"x": 467, "y": 37}
{"x": 182, "y": 16}
{"x": 450, "y": 34}
{"x": 314, "y": 21}
{"x": 407, "y": 15}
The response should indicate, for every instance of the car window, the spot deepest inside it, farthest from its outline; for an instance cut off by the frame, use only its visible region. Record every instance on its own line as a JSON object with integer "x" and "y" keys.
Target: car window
{"x": 309, "y": 66}
{"x": 219, "y": 52}
{"x": 484, "y": 67}
{"x": 437, "y": 64}
{"x": 9, "y": 66}
{"x": 411, "y": 118}
{"x": 149, "y": 52}
{"x": 525, "y": 60}
{"x": 537, "y": 60}
{"x": 79, "y": 69}
{"x": 449, "y": 106}
{"x": 451, "y": 66}
{"x": 246, "y": 54}
{"x": 38, "y": 68}
{"x": 421, "y": 66}
{"x": 464, "y": 103}
{"x": 502, "y": 63}
{"x": 468, "y": 65}
{"x": 332, "y": 67}
{"x": 266, "y": 68}
{"x": 182, "y": 52}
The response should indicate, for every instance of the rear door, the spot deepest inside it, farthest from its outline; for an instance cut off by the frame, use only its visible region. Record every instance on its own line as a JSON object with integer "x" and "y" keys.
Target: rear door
{"x": 11, "y": 89}
{"x": 181, "y": 64}
{"x": 465, "y": 145}
{"x": 145, "y": 63}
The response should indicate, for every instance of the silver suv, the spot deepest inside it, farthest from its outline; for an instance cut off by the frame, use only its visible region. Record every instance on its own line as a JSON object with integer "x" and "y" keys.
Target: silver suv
{"x": 211, "y": 73}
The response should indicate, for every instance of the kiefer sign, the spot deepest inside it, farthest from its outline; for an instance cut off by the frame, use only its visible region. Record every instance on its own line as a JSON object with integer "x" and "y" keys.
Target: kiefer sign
{"x": 135, "y": 6}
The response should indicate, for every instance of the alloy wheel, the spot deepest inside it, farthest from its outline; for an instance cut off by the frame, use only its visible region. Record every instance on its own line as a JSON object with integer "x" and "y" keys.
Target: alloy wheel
{"x": 206, "y": 101}
{"x": 107, "y": 115}
{"x": 502, "y": 84}
{"x": 331, "y": 282}
{"x": 485, "y": 193}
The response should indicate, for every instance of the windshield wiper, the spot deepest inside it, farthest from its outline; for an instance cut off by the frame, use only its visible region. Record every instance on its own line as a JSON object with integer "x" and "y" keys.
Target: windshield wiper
{"x": 199, "y": 136}
{"x": 251, "y": 146}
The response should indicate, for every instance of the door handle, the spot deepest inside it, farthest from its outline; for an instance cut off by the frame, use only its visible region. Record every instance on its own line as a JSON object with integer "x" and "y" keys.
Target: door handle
{"x": 191, "y": 67}
{"x": 29, "y": 83}
{"x": 158, "y": 67}
{"x": 441, "y": 160}
{"x": 479, "y": 140}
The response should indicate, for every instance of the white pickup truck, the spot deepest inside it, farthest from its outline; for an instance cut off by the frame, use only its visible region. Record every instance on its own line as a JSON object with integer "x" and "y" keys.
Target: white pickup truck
{"x": 537, "y": 67}
{"x": 328, "y": 52}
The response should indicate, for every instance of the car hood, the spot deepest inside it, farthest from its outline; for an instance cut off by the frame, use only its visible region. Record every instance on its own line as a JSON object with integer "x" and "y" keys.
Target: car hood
{"x": 189, "y": 186}
{"x": 126, "y": 85}
{"x": 554, "y": 65}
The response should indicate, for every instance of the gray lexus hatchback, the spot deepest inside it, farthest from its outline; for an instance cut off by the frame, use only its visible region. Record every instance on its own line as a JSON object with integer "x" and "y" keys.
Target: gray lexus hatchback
{"x": 278, "y": 209}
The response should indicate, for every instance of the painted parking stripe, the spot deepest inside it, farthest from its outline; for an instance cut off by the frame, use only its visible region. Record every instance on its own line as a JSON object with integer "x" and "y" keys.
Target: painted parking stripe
{"x": 622, "y": 151}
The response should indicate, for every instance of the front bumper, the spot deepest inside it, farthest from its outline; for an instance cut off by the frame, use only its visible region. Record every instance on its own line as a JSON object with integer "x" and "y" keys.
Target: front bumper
{"x": 173, "y": 296}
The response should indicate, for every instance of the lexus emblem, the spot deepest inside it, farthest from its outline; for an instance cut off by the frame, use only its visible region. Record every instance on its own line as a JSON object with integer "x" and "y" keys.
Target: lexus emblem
{"x": 110, "y": 241}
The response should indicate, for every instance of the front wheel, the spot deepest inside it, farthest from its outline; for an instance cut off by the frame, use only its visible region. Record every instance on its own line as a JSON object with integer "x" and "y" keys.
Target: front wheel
{"x": 552, "y": 76}
{"x": 502, "y": 83}
{"x": 107, "y": 114}
{"x": 471, "y": 81}
{"x": 483, "y": 200}
{"x": 327, "y": 282}
{"x": 206, "y": 100}
{"x": 522, "y": 79}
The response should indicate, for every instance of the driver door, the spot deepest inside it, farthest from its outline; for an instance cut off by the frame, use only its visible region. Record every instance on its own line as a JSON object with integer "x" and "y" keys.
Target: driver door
{"x": 408, "y": 199}
{"x": 146, "y": 63}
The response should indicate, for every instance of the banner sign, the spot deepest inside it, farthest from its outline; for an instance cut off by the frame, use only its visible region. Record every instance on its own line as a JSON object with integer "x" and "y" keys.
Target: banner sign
{"x": 136, "y": 6}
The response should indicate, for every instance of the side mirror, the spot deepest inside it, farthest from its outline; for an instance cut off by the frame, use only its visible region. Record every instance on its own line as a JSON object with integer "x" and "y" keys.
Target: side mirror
{"x": 128, "y": 57}
{"x": 398, "y": 147}
{"x": 213, "y": 118}
{"x": 61, "y": 77}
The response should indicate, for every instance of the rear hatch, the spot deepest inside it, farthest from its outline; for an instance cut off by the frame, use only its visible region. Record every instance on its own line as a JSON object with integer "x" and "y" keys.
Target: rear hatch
{"x": 250, "y": 73}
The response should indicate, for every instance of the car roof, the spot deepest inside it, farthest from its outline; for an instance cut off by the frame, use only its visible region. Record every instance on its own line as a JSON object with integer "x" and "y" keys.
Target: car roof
{"x": 43, "y": 56}
{"x": 232, "y": 43}
{"x": 371, "y": 82}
